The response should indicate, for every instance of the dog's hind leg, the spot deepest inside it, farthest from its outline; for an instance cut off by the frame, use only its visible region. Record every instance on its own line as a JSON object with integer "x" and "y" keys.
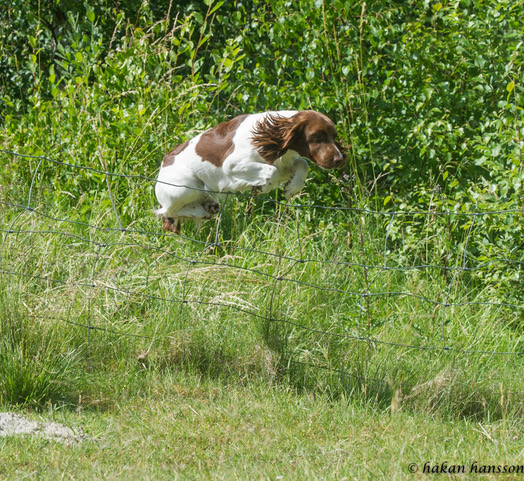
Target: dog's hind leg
{"x": 176, "y": 191}
{"x": 197, "y": 210}
{"x": 171, "y": 225}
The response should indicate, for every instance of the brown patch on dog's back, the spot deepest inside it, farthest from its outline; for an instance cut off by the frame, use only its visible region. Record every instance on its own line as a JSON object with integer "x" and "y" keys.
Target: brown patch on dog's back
{"x": 169, "y": 158}
{"x": 217, "y": 143}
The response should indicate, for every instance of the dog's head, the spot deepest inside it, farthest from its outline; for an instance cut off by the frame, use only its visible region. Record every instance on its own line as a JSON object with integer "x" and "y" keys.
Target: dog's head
{"x": 309, "y": 133}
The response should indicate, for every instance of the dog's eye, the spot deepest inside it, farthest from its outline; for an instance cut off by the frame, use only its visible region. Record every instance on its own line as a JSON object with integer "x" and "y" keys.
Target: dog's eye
{"x": 320, "y": 137}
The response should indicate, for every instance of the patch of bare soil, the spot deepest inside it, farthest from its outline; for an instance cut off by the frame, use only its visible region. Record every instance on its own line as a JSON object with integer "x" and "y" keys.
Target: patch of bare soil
{"x": 13, "y": 424}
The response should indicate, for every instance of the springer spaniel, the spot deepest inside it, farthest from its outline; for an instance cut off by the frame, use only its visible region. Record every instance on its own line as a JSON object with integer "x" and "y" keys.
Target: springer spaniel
{"x": 258, "y": 152}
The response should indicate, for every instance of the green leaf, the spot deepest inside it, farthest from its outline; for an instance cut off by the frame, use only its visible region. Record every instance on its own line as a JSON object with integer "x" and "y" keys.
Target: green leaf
{"x": 198, "y": 17}
{"x": 496, "y": 150}
{"x": 216, "y": 7}
{"x": 510, "y": 86}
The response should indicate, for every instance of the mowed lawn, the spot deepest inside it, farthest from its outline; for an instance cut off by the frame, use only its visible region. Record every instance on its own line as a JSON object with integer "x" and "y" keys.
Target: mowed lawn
{"x": 181, "y": 426}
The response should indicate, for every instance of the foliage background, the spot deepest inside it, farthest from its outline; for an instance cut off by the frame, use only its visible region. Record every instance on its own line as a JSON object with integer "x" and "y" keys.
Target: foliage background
{"x": 427, "y": 94}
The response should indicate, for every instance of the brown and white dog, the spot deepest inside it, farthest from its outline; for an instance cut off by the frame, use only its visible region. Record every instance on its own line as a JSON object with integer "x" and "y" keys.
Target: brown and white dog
{"x": 257, "y": 151}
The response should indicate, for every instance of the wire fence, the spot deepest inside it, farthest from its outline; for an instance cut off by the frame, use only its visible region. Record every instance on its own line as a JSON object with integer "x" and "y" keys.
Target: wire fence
{"x": 106, "y": 234}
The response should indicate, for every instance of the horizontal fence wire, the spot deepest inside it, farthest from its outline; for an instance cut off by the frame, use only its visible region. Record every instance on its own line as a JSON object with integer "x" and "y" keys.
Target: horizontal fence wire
{"x": 205, "y": 258}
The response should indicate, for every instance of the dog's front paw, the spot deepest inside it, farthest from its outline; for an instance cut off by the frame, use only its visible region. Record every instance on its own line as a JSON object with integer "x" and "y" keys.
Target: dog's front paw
{"x": 270, "y": 183}
{"x": 211, "y": 207}
{"x": 291, "y": 189}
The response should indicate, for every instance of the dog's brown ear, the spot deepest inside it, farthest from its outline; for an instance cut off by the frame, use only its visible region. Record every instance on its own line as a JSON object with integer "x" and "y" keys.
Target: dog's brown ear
{"x": 295, "y": 138}
{"x": 271, "y": 136}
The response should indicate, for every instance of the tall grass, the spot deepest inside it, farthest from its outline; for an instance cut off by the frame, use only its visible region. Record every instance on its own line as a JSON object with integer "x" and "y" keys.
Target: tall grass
{"x": 39, "y": 361}
{"x": 280, "y": 298}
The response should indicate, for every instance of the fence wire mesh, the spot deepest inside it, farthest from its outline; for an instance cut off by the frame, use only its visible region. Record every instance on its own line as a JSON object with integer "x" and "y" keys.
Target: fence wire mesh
{"x": 347, "y": 285}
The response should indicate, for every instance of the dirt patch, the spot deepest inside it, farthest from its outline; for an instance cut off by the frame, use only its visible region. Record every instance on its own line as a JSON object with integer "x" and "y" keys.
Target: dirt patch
{"x": 14, "y": 424}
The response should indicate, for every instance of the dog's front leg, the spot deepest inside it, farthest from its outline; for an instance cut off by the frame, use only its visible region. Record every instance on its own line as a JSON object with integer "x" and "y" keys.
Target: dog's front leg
{"x": 298, "y": 178}
{"x": 258, "y": 176}
{"x": 269, "y": 177}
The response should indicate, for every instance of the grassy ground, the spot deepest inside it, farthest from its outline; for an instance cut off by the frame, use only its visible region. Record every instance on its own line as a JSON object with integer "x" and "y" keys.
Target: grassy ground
{"x": 173, "y": 425}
